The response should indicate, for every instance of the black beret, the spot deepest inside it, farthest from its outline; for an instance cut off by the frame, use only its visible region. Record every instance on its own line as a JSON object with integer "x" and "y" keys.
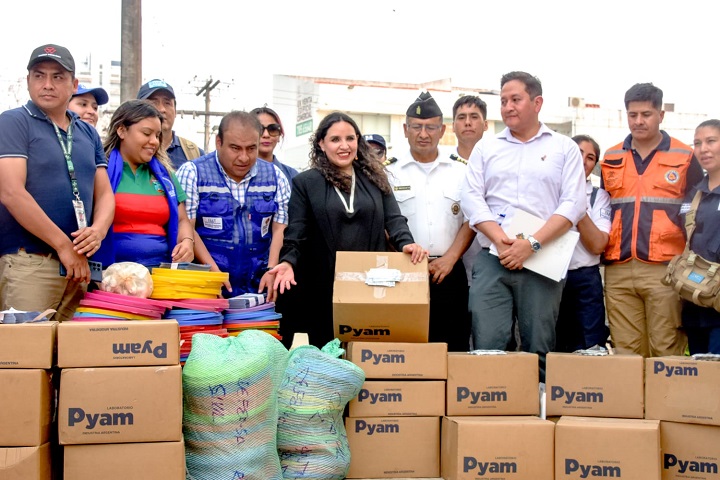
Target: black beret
{"x": 424, "y": 107}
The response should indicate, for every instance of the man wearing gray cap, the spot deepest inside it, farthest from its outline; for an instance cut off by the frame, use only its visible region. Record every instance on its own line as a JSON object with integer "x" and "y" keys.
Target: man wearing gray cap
{"x": 162, "y": 95}
{"x": 56, "y": 203}
{"x": 427, "y": 188}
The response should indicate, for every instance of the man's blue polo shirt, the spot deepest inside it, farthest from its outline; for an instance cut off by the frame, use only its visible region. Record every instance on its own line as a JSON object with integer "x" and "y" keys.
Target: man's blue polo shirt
{"x": 26, "y": 132}
{"x": 176, "y": 153}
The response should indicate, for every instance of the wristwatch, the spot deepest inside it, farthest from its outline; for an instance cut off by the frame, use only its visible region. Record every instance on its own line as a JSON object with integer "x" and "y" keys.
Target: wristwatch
{"x": 534, "y": 243}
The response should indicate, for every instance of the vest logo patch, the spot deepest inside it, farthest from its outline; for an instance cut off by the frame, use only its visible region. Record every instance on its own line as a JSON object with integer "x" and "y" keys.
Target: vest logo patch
{"x": 212, "y": 223}
{"x": 672, "y": 176}
{"x": 612, "y": 179}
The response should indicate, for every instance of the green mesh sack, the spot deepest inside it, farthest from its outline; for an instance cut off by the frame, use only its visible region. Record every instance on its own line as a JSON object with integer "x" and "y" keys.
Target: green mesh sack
{"x": 230, "y": 406}
{"x": 312, "y": 442}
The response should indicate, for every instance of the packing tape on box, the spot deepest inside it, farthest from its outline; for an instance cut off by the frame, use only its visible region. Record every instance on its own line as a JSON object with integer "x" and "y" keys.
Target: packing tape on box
{"x": 713, "y": 357}
{"x": 362, "y": 277}
{"x": 379, "y": 287}
{"x": 376, "y": 279}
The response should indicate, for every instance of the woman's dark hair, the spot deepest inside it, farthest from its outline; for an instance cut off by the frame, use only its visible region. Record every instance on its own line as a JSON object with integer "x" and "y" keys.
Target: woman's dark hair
{"x": 128, "y": 114}
{"x": 587, "y": 138}
{"x": 272, "y": 113}
{"x": 366, "y": 160}
{"x": 713, "y": 122}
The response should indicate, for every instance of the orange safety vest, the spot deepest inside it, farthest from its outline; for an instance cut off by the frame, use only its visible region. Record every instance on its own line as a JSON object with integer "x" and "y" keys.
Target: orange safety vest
{"x": 646, "y": 224}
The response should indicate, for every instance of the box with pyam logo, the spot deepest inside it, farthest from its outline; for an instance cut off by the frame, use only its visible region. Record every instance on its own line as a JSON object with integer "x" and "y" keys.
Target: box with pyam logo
{"x": 120, "y": 405}
{"x": 118, "y": 343}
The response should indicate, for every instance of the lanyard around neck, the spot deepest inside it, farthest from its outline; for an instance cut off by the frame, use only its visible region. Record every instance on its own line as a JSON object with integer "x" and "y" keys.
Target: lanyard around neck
{"x": 351, "y": 207}
{"x": 67, "y": 152}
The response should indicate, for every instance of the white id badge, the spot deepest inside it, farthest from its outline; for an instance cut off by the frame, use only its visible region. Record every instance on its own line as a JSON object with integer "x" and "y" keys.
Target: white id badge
{"x": 212, "y": 223}
{"x": 265, "y": 228}
{"x": 80, "y": 213}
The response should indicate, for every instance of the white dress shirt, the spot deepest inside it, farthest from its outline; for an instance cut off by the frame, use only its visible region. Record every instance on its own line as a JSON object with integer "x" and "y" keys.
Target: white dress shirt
{"x": 543, "y": 176}
{"x": 599, "y": 213}
{"x": 429, "y": 199}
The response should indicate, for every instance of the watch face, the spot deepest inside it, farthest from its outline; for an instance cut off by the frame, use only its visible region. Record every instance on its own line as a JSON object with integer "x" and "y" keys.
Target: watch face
{"x": 534, "y": 244}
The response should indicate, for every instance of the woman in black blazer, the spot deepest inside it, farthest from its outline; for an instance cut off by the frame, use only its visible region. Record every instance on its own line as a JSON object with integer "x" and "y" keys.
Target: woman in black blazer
{"x": 344, "y": 202}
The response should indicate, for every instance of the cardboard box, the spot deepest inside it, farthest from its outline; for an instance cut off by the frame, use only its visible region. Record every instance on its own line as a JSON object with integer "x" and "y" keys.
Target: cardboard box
{"x": 587, "y": 447}
{"x": 493, "y": 384}
{"x": 26, "y": 463}
{"x": 680, "y": 389}
{"x": 132, "y": 461}
{"x": 497, "y": 447}
{"x": 26, "y": 407}
{"x": 587, "y": 386}
{"x": 382, "y": 314}
{"x": 690, "y": 451}
{"x": 394, "y": 398}
{"x": 27, "y": 345}
{"x": 118, "y": 343}
{"x": 426, "y": 361}
{"x": 393, "y": 447}
{"x": 120, "y": 405}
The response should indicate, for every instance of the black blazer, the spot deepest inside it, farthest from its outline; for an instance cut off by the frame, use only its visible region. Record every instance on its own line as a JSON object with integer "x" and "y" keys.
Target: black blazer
{"x": 309, "y": 228}
{"x": 310, "y": 245}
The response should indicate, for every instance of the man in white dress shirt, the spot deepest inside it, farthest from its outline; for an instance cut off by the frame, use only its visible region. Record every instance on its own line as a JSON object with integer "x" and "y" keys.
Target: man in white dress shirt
{"x": 527, "y": 166}
{"x": 427, "y": 187}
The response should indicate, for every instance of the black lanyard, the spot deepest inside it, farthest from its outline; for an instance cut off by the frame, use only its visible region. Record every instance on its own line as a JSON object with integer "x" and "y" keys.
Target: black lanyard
{"x": 67, "y": 151}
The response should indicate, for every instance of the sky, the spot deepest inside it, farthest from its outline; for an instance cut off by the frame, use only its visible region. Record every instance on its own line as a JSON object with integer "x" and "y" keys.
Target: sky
{"x": 592, "y": 50}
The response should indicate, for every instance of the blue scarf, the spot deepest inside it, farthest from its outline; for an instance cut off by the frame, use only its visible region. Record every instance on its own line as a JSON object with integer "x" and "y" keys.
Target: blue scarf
{"x": 106, "y": 253}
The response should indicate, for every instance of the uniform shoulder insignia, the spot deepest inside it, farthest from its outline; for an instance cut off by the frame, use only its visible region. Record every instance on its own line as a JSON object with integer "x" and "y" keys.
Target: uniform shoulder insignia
{"x": 458, "y": 158}
{"x": 390, "y": 161}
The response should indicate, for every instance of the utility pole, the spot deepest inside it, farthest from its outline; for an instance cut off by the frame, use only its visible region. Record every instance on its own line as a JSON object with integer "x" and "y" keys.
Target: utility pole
{"x": 205, "y": 90}
{"x": 130, "y": 49}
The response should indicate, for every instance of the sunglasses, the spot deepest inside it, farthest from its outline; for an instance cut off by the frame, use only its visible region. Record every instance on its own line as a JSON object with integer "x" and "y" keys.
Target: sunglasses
{"x": 273, "y": 129}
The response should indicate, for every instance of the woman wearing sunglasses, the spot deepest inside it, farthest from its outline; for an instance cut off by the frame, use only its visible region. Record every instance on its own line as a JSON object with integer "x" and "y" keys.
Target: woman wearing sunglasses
{"x": 272, "y": 131}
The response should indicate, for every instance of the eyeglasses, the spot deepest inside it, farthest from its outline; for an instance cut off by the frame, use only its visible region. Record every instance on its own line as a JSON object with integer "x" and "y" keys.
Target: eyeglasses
{"x": 273, "y": 129}
{"x": 417, "y": 127}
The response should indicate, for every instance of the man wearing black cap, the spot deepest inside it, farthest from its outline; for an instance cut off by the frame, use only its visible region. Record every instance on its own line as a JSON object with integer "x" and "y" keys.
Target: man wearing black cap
{"x": 162, "y": 95}
{"x": 56, "y": 203}
{"x": 526, "y": 167}
{"x": 427, "y": 188}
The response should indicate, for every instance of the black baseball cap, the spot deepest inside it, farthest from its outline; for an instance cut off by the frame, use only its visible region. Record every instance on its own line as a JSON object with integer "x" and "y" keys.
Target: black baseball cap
{"x": 53, "y": 52}
{"x": 153, "y": 86}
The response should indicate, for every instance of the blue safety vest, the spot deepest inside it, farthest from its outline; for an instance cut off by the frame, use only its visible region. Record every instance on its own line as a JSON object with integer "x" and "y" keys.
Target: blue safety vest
{"x": 237, "y": 236}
